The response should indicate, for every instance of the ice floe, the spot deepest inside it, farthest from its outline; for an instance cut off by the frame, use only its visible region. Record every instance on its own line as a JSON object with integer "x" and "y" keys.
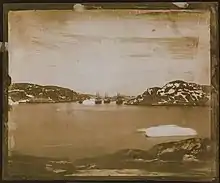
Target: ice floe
{"x": 181, "y": 4}
{"x": 31, "y": 96}
{"x": 89, "y": 102}
{"x": 167, "y": 131}
{"x": 79, "y": 7}
{"x": 59, "y": 170}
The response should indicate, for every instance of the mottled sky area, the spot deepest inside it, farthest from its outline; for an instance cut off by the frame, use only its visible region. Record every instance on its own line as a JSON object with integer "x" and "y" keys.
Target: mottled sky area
{"x": 110, "y": 51}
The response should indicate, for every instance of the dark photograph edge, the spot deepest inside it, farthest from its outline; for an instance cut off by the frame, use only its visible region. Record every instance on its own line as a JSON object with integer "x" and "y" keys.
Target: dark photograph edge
{"x": 213, "y": 7}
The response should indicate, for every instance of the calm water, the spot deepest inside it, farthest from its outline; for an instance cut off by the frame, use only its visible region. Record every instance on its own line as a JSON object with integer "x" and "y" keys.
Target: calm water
{"x": 76, "y": 131}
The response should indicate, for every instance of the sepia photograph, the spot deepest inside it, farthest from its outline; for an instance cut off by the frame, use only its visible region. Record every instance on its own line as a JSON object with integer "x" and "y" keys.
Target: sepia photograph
{"x": 110, "y": 91}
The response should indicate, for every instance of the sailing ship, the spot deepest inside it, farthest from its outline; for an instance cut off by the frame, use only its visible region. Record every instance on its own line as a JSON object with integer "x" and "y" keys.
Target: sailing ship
{"x": 106, "y": 99}
{"x": 98, "y": 99}
{"x": 119, "y": 99}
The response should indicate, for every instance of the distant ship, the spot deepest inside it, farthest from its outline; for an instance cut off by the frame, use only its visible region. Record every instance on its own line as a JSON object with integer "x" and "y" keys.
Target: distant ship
{"x": 106, "y": 99}
{"x": 98, "y": 99}
{"x": 119, "y": 99}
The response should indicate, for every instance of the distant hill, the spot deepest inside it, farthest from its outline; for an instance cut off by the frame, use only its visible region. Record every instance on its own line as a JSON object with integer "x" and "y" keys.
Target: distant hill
{"x": 174, "y": 93}
{"x": 33, "y": 93}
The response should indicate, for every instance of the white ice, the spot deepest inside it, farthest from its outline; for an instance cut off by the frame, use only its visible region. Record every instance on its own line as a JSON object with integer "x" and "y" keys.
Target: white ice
{"x": 167, "y": 131}
{"x": 89, "y": 102}
{"x": 78, "y": 7}
{"x": 59, "y": 170}
{"x": 22, "y": 101}
{"x": 181, "y": 4}
{"x": 31, "y": 96}
{"x": 15, "y": 90}
{"x": 11, "y": 102}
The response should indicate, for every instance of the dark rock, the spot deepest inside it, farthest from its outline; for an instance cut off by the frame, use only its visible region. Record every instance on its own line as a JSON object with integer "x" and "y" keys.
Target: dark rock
{"x": 198, "y": 148}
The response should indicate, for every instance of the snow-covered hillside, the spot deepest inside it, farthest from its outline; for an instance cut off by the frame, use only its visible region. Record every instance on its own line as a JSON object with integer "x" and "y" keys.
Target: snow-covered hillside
{"x": 27, "y": 92}
{"x": 174, "y": 93}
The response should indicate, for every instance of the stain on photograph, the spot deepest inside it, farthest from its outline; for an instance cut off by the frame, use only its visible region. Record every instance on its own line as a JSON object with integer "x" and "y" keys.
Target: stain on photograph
{"x": 109, "y": 92}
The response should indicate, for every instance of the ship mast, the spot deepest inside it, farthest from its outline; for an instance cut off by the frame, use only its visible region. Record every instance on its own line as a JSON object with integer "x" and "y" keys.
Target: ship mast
{"x": 97, "y": 95}
{"x": 106, "y": 95}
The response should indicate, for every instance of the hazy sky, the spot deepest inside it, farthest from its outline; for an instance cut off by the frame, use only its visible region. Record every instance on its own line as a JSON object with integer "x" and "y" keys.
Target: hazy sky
{"x": 108, "y": 51}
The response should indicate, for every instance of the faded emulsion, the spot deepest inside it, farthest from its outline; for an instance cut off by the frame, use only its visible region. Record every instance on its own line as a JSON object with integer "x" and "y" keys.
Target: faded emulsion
{"x": 110, "y": 92}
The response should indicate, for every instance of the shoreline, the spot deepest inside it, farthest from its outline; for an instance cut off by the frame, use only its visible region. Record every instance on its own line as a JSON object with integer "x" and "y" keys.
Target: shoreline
{"x": 139, "y": 105}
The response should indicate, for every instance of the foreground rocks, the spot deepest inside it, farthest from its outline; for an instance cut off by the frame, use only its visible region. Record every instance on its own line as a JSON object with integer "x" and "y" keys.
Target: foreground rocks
{"x": 189, "y": 150}
{"x": 192, "y": 158}
{"x": 25, "y": 167}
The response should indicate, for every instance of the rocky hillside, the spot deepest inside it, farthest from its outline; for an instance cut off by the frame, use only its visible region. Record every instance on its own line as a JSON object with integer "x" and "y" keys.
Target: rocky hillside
{"x": 31, "y": 93}
{"x": 174, "y": 93}
{"x": 193, "y": 150}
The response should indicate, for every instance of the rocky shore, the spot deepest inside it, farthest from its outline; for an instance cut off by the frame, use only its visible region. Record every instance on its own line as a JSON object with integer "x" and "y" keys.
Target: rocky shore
{"x": 191, "y": 157}
{"x": 183, "y": 151}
